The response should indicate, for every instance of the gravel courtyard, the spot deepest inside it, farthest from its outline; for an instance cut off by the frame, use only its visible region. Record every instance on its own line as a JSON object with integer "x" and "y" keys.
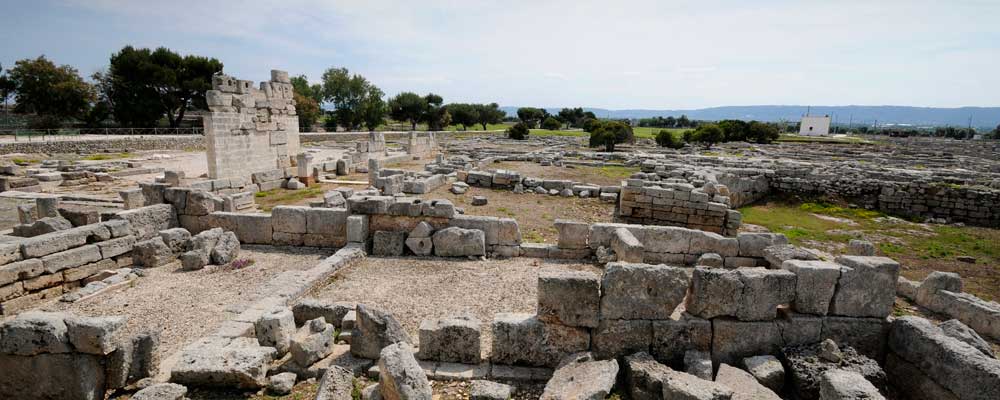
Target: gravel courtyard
{"x": 414, "y": 289}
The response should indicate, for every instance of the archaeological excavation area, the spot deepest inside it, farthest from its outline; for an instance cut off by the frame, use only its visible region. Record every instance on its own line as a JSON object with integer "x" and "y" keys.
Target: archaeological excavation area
{"x": 261, "y": 263}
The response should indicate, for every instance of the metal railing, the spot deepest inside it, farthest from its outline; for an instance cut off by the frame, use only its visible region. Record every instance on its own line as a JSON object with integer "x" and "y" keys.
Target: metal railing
{"x": 30, "y": 135}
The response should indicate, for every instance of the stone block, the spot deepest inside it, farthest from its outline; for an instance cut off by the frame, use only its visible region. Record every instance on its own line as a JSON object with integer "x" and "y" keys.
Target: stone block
{"x": 93, "y": 335}
{"x": 571, "y": 298}
{"x": 275, "y": 329}
{"x": 312, "y": 342}
{"x": 71, "y": 258}
{"x": 844, "y": 385}
{"x": 357, "y": 228}
{"x": 734, "y": 340}
{"x": 388, "y": 244}
{"x": 373, "y": 331}
{"x": 672, "y": 338}
{"x": 615, "y": 338}
{"x": 400, "y": 376}
{"x": 572, "y": 234}
{"x": 52, "y": 376}
{"x": 116, "y": 247}
{"x": 524, "y": 339}
{"x": 748, "y": 294}
{"x": 459, "y": 242}
{"x": 626, "y": 247}
{"x": 667, "y": 239}
{"x": 332, "y": 312}
{"x": 249, "y": 228}
{"x": 327, "y": 221}
{"x": 147, "y": 222}
{"x": 814, "y": 286}
{"x": 927, "y": 292}
{"x": 767, "y": 370}
{"x": 641, "y": 291}
{"x": 289, "y": 219}
{"x": 21, "y": 270}
{"x": 579, "y": 376}
{"x": 866, "y": 288}
{"x": 162, "y": 391}
{"x": 33, "y": 333}
{"x": 152, "y": 253}
{"x": 866, "y": 335}
{"x": 486, "y": 390}
{"x": 454, "y": 339}
{"x": 223, "y": 363}
{"x": 699, "y": 364}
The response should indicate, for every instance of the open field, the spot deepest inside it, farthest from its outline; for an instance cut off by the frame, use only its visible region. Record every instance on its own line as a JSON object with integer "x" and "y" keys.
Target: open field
{"x": 919, "y": 248}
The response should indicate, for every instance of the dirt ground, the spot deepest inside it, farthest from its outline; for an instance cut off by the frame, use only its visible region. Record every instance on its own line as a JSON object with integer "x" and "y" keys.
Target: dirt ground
{"x": 414, "y": 289}
{"x": 185, "y": 305}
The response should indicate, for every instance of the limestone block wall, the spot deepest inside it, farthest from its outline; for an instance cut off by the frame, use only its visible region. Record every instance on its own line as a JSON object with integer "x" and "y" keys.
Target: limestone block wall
{"x": 49, "y": 265}
{"x": 46, "y": 355}
{"x": 249, "y": 129}
{"x": 678, "y": 203}
{"x": 731, "y": 314}
{"x": 421, "y": 145}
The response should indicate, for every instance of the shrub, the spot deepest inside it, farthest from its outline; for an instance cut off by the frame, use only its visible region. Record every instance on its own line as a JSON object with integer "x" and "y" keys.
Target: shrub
{"x": 609, "y": 133}
{"x": 708, "y": 134}
{"x": 667, "y": 139}
{"x": 551, "y": 124}
{"x": 518, "y": 132}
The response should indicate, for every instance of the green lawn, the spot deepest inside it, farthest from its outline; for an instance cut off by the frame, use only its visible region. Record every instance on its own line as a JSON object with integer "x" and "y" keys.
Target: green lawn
{"x": 650, "y": 133}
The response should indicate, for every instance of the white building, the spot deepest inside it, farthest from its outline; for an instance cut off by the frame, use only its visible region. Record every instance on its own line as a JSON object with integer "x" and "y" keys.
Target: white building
{"x": 815, "y": 126}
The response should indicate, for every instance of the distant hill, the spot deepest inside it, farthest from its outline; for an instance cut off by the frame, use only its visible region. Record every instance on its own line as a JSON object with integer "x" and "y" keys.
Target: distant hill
{"x": 860, "y": 115}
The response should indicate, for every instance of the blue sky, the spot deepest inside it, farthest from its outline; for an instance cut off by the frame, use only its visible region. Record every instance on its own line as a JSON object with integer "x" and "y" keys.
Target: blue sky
{"x": 620, "y": 54}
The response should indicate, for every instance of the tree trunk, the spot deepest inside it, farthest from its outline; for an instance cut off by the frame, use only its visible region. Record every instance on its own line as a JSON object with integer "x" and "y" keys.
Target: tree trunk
{"x": 180, "y": 117}
{"x": 413, "y": 125}
{"x": 484, "y": 126}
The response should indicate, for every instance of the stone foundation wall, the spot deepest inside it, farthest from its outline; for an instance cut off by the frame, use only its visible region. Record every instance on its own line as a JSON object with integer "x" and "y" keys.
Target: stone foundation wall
{"x": 121, "y": 145}
{"x": 250, "y": 129}
{"x": 49, "y": 265}
{"x": 421, "y": 146}
{"x": 678, "y": 203}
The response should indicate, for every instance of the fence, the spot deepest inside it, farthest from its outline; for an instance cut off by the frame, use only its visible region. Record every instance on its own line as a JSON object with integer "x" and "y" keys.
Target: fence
{"x": 30, "y": 135}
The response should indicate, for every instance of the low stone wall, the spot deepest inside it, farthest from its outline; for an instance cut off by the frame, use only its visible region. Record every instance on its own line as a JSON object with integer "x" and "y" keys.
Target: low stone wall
{"x": 64, "y": 356}
{"x": 120, "y": 145}
{"x": 344, "y": 137}
{"x": 46, "y": 266}
{"x": 678, "y": 203}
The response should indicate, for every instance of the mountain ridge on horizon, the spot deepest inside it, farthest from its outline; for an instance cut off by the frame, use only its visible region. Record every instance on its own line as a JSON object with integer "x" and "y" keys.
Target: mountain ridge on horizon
{"x": 983, "y": 117}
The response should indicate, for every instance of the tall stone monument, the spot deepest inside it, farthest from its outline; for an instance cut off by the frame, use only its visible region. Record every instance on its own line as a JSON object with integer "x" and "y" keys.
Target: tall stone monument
{"x": 250, "y": 130}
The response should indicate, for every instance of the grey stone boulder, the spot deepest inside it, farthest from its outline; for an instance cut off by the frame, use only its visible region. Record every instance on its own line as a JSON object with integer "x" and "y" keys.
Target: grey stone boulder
{"x": 644, "y": 376}
{"x": 388, "y": 244}
{"x": 453, "y": 339}
{"x": 753, "y": 244}
{"x": 226, "y": 249}
{"x": 35, "y": 332}
{"x": 422, "y": 246}
{"x": 421, "y": 230}
{"x": 223, "y": 363}
{"x": 195, "y": 259}
{"x": 581, "y": 377}
{"x": 152, "y": 253}
{"x": 205, "y": 240}
{"x": 487, "y": 390}
{"x": 698, "y": 363}
{"x": 276, "y": 329}
{"x": 373, "y": 331}
{"x": 743, "y": 384}
{"x": 177, "y": 239}
{"x": 767, "y": 370}
{"x": 778, "y": 254}
{"x": 962, "y": 332}
{"x": 400, "y": 376}
{"x": 866, "y": 288}
{"x": 524, "y": 339}
{"x": 680, "y": 385}
{"x": 927, "y": 292}
{"x": 337, "y": 383}
{"x": 815, "y": 284}
{"x": 312, "y": 342}
{"x": 857, "y": 247}
{"x": 373, "y": 392}
{"x": 93, "y": 335}
{"x": 161, "y": 391}
{"x": 281, "y": 384}
{"x": 571, "y": 298}
{"x": 838, "y": 384}
{"x": 459, "y": 242}
{"x": 479, "y": 200}
{"x": 641, "y": 291}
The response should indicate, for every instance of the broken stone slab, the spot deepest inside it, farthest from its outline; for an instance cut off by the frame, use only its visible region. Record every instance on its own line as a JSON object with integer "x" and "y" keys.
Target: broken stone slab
{"x": 152, "y": 253}
{"x": 195, "y": 259}
{"x": 579, "y": 376}
{"x": 373, "y": 331}
{"x": 641, "y": 291}
{"x": 488, "y": 390}
{"x": 312, "y": 342}
{"x": 962, "y": 332}
{"x": 336, "y": 384}
{"x": 35, "y": 332}
{"x": 710, "y": 260}
{"x": 281, "y": 384}
{"x": 177, "y": 239}
{"x": 776, "y": 255}
{"x": 866, "y": 288}
{"x": 767, "y": 370}
{"x": 698, "y": 363}
{"x": 161, "y": 391}
{"x": 571, "y": 298}
{"x": 838, "y": 384}
{"x": 332, "y": 312}
{"x": 524, "y": 339}
{"x": 93, "y": 335}
{"x": 753, "y": 244}
{"x": 927, "y": 292}
{"x": 226, "y": 249}
{"x": 276, "y": 329}
{"x": 400, "y": 376}
{"x": 959, "y": 367}
{"x": 224, "y": 363}
{"x": 572, "y": 234}
{"x": 743, "y": 384}
{"x": 750, "y": 294}
{"x": 459, "y": 242}
{"x": 453, "y": 339}
{"x": 626, "y": 247}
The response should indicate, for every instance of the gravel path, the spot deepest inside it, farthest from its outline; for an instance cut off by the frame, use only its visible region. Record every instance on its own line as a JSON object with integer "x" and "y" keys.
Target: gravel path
{"x": 189, "y": 305}
{"x": 414, "y": 289}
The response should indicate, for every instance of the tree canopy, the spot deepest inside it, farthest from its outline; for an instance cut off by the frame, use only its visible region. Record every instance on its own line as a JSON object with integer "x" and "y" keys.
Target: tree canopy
{"x": 531, "y": 115}
{"x": 551, "y": 123}
{"x": 301, "y": 86}
{"x": 609, "y": 133}
{"x": 54, "y": 93}
{"x": 407, "y": 106}
{"x": 519, "y": 131}
{"x": 373, "y": 108}
{"x": 464, "y": 114}
{"x": 351, "y": 97}
{"x": 146, "y": 85}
